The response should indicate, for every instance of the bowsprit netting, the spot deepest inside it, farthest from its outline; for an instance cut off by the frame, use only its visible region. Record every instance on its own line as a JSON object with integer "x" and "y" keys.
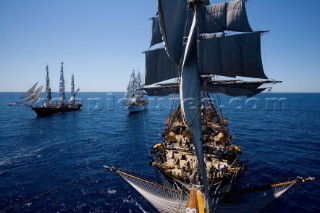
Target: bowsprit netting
{"x": 252, "y": 199}
{"x": 163, "y": 198}
{"x": 247, "y": 204}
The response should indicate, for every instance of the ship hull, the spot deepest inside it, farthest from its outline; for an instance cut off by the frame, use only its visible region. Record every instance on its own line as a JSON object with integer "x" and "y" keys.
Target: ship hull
{"x": 137, "y": 106}
{"x": 55, "y": 109}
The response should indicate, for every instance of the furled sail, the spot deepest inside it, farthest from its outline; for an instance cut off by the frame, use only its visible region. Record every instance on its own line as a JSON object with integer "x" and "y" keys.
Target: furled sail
{"x": 62, "y": 86}
{"x": 227, "y": 87}
{"x": 242, "y": 89}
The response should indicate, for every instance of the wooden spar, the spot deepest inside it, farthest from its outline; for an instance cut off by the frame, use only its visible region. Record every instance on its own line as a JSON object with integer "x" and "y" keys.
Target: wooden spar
{"x": 200, "y": 199}
{"x": 192, "y": 201}
{"x": 195, "y": 202}
{"x": 266, "y": 187}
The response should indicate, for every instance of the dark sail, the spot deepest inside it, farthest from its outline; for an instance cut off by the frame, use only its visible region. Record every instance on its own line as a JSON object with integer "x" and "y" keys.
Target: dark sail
{"x": 159, "y": 67}
{"x": 231, "y": 56}
{"x": 156, "y": 37}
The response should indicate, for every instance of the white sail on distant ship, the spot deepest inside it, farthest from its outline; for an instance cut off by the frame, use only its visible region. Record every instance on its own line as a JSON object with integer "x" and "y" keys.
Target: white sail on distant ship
{"x": 34, "y": 96}
{"x": 202, "y": 41}
{"x": 134, "y": 94}
{"x": 29, "y": 97}
{"x": 29, "y": 92}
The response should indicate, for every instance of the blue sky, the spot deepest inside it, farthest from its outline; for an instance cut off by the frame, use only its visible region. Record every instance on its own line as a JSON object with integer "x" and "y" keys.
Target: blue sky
{"x": 101, "y": 41}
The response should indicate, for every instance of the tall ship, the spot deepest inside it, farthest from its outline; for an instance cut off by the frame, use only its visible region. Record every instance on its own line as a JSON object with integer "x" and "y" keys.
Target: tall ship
{"x": 134, "y": 96}
{"x": 198, "y": 44}
{"x": 62, "y": 105}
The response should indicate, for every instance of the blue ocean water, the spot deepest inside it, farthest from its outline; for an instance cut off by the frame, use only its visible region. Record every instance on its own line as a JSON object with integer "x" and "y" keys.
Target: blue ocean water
{"x": 54, "y": 164}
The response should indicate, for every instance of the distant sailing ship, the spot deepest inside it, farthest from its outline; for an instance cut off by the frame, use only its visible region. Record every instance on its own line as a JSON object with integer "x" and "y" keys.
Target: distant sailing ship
{"x": 134, "y": 95}
{"x": 49, "y": 108}
{"x": 201, "y": 42}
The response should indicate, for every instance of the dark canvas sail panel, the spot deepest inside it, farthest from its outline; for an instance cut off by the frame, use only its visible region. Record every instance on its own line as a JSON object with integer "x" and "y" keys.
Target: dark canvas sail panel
{"x": 226, "y": 16}
{"x": 156, "y": 33}
{"x": 231, "y": 56}
{"x": 159, "y": 67}
{"x": 172, "y": 26}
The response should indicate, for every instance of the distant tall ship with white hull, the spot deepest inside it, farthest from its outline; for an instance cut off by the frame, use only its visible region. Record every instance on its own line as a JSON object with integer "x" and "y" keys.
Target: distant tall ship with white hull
{"x": 134, "y": 94}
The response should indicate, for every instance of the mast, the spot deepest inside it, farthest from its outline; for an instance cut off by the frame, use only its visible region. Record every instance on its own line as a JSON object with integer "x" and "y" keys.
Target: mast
{"x": 131, "y": 86}
{"x": 192, "y": 115}
{"x": 48, "y": 89}
{"x": 62, "y": 86}
{"x": 138, "y": 79}
{"x": 72, "y": 98}
{"x": 139, "y": 90}
{"x": 194, "y": 38}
